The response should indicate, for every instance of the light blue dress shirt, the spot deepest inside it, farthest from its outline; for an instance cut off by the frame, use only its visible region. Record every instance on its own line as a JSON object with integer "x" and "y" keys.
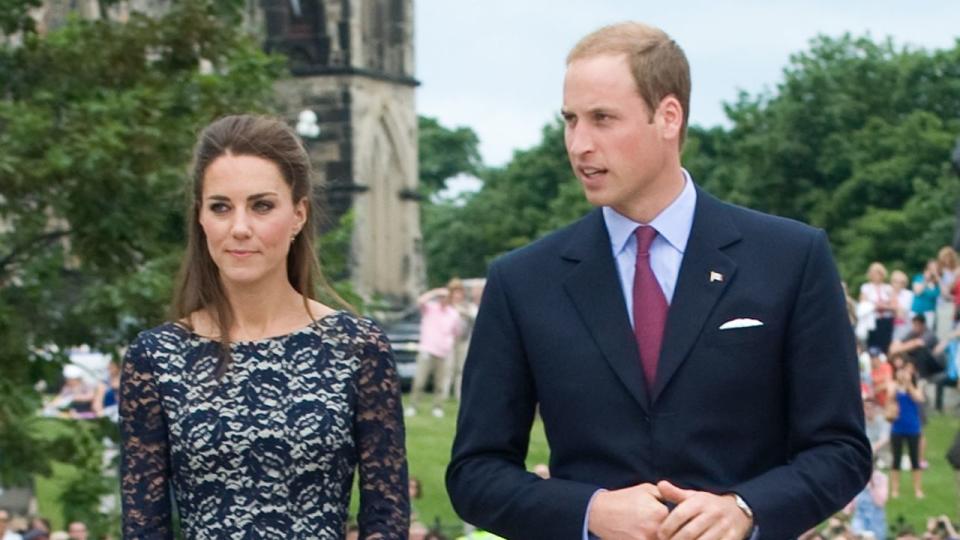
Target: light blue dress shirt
{"x": 673, "y": 224}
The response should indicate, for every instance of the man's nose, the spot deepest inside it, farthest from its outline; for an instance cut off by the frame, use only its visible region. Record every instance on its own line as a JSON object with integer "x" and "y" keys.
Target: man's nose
{"x": 579, "y": 140}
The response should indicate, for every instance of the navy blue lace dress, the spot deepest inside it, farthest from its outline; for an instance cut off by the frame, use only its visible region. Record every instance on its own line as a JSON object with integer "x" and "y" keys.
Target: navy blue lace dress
{"x": 269, "y": 449}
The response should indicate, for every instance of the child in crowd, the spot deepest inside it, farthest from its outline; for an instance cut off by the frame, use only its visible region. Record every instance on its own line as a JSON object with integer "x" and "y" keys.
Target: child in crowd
{"x": 869, "y": 513}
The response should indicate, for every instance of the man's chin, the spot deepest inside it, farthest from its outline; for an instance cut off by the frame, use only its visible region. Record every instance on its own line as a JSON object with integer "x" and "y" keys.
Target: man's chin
{"x": 596, "y": 197}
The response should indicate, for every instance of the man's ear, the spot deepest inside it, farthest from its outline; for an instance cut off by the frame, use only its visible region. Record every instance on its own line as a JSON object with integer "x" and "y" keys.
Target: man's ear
{"x": 669, "y": 117}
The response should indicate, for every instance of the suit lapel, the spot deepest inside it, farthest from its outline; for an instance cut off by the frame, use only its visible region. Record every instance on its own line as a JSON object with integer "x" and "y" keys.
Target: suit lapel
{"x": 705, "y": 273}
{"x": 594, "y": 287}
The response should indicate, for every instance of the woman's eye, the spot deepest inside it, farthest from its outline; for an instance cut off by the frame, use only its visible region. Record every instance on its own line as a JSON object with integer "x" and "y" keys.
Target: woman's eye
{"x": 219, "y": 207}
{"x": 263, "y": 206}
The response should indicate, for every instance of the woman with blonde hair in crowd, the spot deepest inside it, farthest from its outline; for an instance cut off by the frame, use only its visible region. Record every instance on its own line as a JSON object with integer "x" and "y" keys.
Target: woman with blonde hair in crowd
{"x": 902, "y": 303}
{"x": 946, "y": 308}
{"x": 256, "y": 404}
{"x": 877, "y": 293}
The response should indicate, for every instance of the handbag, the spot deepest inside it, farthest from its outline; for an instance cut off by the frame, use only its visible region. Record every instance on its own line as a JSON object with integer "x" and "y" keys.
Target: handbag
{"x": 891, "y": 411}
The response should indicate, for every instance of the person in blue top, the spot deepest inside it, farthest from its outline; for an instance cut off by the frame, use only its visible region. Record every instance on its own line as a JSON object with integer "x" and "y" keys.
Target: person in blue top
{"x": 951, "y": 372}
{"x": 926, "y": 290}
{"x": 906, "y": 428}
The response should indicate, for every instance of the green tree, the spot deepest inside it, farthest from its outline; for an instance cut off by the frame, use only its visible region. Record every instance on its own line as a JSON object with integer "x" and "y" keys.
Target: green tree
{"x": 533, "y": 194}
{"x": 97, "y": 121}
{"x": 856, "y": 140}
{"x": 444, "y": 153}
{"x": 15, "y": 16}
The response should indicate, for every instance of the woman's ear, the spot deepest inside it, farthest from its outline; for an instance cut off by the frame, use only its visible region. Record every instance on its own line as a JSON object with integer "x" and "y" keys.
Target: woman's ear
{"x": 301, "y": 210}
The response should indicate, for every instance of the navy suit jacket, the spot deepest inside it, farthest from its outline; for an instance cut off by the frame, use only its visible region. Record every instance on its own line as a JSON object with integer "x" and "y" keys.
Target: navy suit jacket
{"x": 771, "y": 412}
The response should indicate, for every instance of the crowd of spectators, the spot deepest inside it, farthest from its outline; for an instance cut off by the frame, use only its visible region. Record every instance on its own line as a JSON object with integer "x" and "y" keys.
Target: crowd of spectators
{"x": 38, "y": 528}
{"x": 908, "y": 340}
{"x": 842, "y": 528}
{"x": 86, "y": 393}
{"x": 446, "y": 322}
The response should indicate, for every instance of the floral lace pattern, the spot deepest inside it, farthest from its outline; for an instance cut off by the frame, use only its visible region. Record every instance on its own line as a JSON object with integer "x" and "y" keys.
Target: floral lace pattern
{"x": 268, "y": 450}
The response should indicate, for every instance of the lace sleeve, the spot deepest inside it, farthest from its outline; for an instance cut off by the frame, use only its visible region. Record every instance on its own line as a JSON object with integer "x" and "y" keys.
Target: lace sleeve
{"x": 384, "y": 497}
{"x": 145, "y": 465}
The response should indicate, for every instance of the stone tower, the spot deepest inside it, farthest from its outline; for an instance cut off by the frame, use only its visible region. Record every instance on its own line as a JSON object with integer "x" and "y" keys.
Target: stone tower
{"x": 352, "y": 68}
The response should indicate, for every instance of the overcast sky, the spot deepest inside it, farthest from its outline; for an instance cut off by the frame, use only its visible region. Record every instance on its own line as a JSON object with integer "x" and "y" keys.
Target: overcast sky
{"x": 497, "y": 65}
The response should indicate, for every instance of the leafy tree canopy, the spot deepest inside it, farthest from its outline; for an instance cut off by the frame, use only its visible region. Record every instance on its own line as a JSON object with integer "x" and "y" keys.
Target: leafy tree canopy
{"x": 855, "y": 140}
{"x": 445, "y": 153}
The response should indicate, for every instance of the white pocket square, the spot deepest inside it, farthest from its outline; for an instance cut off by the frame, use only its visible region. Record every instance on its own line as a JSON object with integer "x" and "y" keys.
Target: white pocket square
{"x": 740, "y": 323}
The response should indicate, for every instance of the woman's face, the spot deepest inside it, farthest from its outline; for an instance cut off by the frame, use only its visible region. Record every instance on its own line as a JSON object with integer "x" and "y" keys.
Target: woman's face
{"x": 249, "y": 218}
{"x": 947, "y": 258}
{"x": 897, "y": 362}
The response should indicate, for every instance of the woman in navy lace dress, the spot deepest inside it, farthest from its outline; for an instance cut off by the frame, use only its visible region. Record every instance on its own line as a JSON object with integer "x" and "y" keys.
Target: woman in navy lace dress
{"x": 251, "y": 411}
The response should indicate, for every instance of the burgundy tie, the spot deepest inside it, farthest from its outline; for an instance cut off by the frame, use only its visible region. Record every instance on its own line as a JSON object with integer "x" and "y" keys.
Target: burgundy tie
{"x": 649, "y": 306}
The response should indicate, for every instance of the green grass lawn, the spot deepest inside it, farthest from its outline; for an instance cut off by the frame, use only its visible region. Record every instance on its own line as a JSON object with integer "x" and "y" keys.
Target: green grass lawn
{"x": 48, "y": 492}
{"x": 939, "y": 484}
{"x": 428, "y": 452}
{"x": 428, "y": 449}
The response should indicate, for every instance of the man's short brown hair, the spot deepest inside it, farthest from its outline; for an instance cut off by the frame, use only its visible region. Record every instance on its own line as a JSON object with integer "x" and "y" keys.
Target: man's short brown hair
{"x": 658, "y": 65}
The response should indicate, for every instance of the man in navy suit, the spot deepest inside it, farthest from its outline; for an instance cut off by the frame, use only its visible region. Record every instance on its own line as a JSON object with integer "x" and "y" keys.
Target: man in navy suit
{"x": 692, "y": 360}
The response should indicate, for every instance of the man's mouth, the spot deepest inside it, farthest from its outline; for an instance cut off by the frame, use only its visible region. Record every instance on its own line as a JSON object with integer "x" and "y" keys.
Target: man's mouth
{"x": 591, "y": 172}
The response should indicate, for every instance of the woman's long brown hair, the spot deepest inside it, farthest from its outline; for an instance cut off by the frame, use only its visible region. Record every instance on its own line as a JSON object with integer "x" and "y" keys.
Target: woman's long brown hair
{"x": 199, "y": 286}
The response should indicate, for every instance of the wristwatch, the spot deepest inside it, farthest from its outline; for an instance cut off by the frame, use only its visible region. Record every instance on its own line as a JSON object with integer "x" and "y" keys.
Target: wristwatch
{"x": 742, "y": 505}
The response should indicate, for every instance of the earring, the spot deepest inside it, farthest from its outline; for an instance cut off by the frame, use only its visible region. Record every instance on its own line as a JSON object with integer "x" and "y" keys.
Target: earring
{"x": 293, "y": 237}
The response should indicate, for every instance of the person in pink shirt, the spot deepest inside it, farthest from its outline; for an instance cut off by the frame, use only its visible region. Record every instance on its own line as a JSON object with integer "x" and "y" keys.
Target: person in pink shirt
{"x": 440, "y": 324}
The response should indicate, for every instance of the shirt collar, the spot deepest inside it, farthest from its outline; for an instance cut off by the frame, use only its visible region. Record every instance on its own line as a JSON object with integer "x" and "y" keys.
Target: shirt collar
{"x": 673, "y": 223}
